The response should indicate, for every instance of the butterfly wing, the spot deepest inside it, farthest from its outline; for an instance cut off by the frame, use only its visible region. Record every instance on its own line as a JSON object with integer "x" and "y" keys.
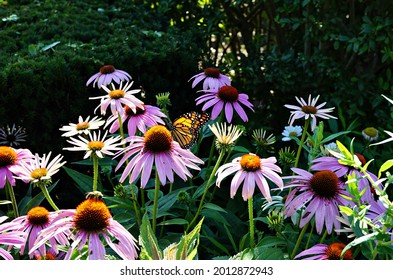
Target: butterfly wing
{"x": 185, "y": 129}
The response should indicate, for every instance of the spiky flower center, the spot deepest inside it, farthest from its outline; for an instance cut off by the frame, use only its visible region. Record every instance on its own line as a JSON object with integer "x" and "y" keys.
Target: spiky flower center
{"x": 228, "y": 93}
{"x": 107, "y": 69}
{"x": 250, "y": 162}
{"x": 82, "y": 126}
{"x": 8, "y": 156}
{"x": 212, "y": 72}
{"x": 95, "y": 145}
{"x": 325, "y": 184}
{"x": 38, "y": 216}
{"x": 158, "y": 139}
{"x": 117, "y": 94}
{"x": 129, "y": 112}
{"x": 39, "y": 173}
{"x": 334, "y": 250}
{"x": 92, "y": 215}
{"x": 48, "y": 257}
{"x": 309, "y": 109}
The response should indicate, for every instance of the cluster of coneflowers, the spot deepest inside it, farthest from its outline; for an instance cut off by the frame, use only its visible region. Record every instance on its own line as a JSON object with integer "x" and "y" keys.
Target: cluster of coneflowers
{"x": 135, "y": 134}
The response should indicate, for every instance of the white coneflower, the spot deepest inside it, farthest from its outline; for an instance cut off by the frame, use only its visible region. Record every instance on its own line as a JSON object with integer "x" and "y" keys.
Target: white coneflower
{"x": 225, "y": 135}
{"x": 84, "y": 126}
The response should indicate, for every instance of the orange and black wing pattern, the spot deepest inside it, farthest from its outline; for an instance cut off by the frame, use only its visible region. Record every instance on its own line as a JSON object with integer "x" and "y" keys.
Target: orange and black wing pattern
{"x": 185, "y": 129}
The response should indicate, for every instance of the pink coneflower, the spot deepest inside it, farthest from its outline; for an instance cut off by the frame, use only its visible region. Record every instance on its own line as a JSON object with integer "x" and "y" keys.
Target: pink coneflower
{"x": 88, "y": 223}
{"x": 309, "y": 110}
{"x": 82, "y": 127}
{"x": 325, "y": 252}
{"x": 342, "y": 171}
{"x": 141, "y": 119}
{"x": 106, "y": 75}
{"x": 37, "y": 219}
{"x": 251, "y": 170}
{"x": 158, "y": 149}
{"x": 320, "y": 196}
{"x": 11, "y": 161}
{"x": 117, "y": 98}
{"x": 10, "y": 236}
{"x": 225, "y": 98}
{"x": 95, "y": 145}
{"x": 212, "y": 79}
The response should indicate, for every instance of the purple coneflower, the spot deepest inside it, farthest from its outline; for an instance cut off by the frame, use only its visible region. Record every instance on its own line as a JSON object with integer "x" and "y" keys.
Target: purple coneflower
{"x": 325, "y": 252}
{"x": 37, "y": 219}
{"x": 10, "y": 236}
{"x": 106, "y": 74}
{"x": 320, "y": 196}
{"x": 309, "y": 110}
{"x": 212, "y": 79}
{"x": 225, "y": 98}
{"x": 156, "y": 148}
{"x": 342, "y": 171}
{"x": 117, "y": 98}
{"x": 11, "y": 161}
{"x": 88, "y": 223}
{"x": 82, "y": 127}
{"x": 251, "y": 170}
{"x": 141, "y": 119}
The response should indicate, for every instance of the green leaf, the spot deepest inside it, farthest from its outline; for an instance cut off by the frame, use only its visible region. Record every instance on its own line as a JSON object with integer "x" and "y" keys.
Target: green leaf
{"x": 148, "y": 241}
{"x": 29, "y": 202}
{"x": 214, "y": 207}
{"x": 385, "y": 166}
{"x": 176, "y": 221}
{"x": 84, "y": 182}
{"x": 47, "y": 47}
{"x": 359, "y": 240}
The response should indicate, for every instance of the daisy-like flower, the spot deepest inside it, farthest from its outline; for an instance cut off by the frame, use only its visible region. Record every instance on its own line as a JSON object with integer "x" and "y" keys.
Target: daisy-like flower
{"x": 225, "y": 98}
{"x": 212, "y": 79}
{"x": 11, "y": 163}
{"x": 158, "y": 149}
{"x": 37, "y": 219}
{"x": 117, "y": 98}
{"x": 141, "y": 119}
{"x": 40, "y": 170}
{"x": 251, "y": 170}
{"x": 325, "y": 252}
{"x": 12, "y": 136}
{"x": 370, "y": 134}
{"x": 82, "y": 127}
{"x": 10, "y": 236}
{"x": 225, "y": 135}
{"x": 290, "y": 132}
{"x": 309, "y": 110}
{"x": 89, "y": 223}
{"x": 96, "y": 145}
{"x": 317, "y": 195}
{"x": 106, "y": 75}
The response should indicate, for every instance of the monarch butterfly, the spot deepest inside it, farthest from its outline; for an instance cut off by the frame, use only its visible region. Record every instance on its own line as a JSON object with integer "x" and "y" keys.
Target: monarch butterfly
{"x": 185, "y": 129}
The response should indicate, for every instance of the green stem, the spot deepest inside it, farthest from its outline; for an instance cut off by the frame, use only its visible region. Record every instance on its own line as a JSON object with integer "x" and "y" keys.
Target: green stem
{"x": 94, "y": 158}
{"x": 299, "y": 150}
{"x": 11, "y": 193}
{"x": 49, "y": 198}
{"x": 251, "y": 217}
{"x": 299, "y": 240}
{"x": 220, "y": 157}
{"x": 323, "y": 237}
{"x": 155, "y": 205}
{"x": 310, "y": 235}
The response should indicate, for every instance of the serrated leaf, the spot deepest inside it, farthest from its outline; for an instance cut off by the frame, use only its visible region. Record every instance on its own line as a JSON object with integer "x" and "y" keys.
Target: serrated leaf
{"x": 148, "y": 241}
